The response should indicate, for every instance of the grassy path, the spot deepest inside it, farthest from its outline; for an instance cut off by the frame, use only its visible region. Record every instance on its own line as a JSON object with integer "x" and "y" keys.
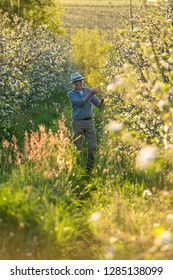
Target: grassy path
{"x": 50, "y": 209}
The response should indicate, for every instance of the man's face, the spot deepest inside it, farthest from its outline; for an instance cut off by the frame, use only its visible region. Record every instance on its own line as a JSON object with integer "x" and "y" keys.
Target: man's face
{"x": 78, "y": 85}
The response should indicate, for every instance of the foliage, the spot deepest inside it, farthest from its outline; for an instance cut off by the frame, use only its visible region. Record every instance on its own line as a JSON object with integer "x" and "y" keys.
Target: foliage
{"x": 138, "y": 106}
{"x": 89, "y": 55}
{"x": 50, "y": 208}
{"x": 40, "y": 12}
{"x": 33, "y": 66}
{"x": 139, "y": 75}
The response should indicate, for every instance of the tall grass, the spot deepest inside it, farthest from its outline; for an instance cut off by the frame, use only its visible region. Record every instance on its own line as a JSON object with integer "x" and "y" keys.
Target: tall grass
{"x": 51, "y": 209}
{"x": 40, "y": 214}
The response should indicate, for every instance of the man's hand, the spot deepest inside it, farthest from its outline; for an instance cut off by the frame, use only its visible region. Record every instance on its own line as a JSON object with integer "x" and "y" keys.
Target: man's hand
{"x": 101, "y": 102}
{"x": 93, "y": 91}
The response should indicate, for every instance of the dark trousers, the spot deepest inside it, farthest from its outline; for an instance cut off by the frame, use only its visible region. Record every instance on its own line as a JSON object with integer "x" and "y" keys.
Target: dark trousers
{"x": 85, "y": 128}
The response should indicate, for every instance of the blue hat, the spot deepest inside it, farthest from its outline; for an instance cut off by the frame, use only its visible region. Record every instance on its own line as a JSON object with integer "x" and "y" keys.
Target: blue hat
{"x": 76, "y": 77}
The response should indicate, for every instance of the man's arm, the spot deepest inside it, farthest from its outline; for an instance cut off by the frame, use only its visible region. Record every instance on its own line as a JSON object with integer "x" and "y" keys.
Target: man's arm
{"x": 98, "y": 103}
{"x": 92, "y": 92}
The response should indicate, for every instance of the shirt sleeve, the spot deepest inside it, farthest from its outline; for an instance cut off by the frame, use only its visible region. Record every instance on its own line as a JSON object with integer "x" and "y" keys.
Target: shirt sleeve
{"x": 95, "y": 101}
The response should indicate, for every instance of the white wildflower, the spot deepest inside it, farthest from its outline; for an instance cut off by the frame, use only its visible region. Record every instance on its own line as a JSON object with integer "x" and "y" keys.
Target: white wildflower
{"x": 113, "y": 240}
{"x": 156, "y": 225}
{"x": 147, "y": 193}
{"x": 170, "y": 217}
{"x": 146, "y": 156}
{"x": 165, "y": 193}
{"x": 164, "y": 238}
{"x": 95, "y": 216}
{"x": 114, "y": 127}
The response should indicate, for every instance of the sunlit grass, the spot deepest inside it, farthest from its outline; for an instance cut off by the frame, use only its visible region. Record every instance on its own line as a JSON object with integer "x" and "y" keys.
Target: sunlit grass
{"x": 41, "y": 214}
{"x": 51, "y": 209}
{"x": 135, "y": 228}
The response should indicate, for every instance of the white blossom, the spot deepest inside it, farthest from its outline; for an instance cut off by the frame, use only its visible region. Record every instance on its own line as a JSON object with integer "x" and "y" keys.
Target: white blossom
{"x": 170, "y": 217}
{"x": 164, "y": 238}
{"x": 95, "y": 216}
{"x": 147, "y": 193}
{"x": 114, "y": 127}
{"x": 146, "y": 156}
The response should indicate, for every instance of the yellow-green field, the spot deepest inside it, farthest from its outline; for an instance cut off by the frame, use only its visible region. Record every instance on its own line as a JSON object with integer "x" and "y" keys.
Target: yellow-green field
{"x": 104, "y": 15}
{"x": 96, "y": 2}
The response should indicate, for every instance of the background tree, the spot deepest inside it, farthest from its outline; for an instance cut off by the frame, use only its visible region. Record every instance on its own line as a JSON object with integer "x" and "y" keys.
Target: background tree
{"x": 39, "y": 11}
{"x": 33, "y": 64}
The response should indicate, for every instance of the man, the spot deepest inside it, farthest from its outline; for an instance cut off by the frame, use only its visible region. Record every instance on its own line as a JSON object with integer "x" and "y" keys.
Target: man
{"x": 81, "y": 99}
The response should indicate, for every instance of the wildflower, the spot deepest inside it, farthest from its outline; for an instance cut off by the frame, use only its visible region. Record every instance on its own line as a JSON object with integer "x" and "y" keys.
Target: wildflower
{"x": 113, "y": 240}
{"x": 147, "y": 193}
{"x": 170, "y": 217}
{"x": 164, "y": 238}
{"x": 165, "y": 193}
{"x": 146, "y": 156}
{"x": 114, "y": 127}
{"x": 95, "y": 216}
{"x": 157, "y": 225}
